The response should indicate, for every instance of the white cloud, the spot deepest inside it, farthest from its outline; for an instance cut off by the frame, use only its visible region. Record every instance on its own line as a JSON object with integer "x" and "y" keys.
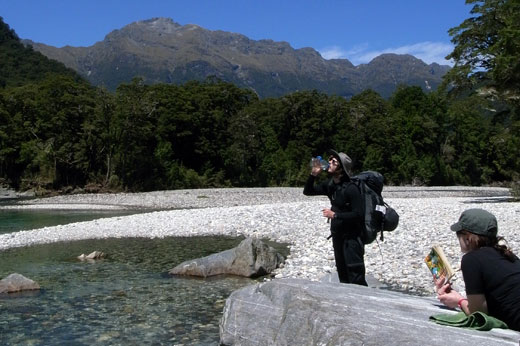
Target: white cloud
{"x": 333, "y": 52}
{"x": 428, "y": 52}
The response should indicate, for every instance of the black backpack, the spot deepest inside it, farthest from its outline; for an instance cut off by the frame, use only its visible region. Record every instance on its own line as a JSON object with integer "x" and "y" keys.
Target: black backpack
{"x": 378, "y": 215}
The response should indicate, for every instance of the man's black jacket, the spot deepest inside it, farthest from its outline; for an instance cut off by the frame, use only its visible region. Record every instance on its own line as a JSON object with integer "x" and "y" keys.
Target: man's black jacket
{"x": 346, "y": 203}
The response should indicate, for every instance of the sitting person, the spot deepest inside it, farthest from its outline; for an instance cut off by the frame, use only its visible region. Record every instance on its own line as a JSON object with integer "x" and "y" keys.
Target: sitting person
{"x": 490, "y": 270}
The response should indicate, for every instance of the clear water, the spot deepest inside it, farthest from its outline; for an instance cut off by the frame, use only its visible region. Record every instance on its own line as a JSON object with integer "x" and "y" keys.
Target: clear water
{"x": 126, "y": 299}
{"x": 16, "y": 220}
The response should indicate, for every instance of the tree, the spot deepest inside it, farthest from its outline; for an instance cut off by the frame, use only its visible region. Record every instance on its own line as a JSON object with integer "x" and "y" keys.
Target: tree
{"x": 487, "y": 64}
{"x": 46, "y": 121}
{"x": 20, "y": 64}
{"x": 416, "y": 140}
{"x": 361, "y": 131}
{"x": 487, "y": 47}
{"x": 97, "y": 143}
{"x": 133, "y": 131}
{"x": 302, "y": 123}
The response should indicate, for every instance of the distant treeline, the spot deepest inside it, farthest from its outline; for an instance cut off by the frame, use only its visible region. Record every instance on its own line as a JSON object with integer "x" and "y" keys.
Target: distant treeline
{"x": 58, "y": 132}
{"x": 61, "y": 132}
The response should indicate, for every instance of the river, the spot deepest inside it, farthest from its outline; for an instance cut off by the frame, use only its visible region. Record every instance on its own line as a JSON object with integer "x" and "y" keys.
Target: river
{"x": 126, "y": 298}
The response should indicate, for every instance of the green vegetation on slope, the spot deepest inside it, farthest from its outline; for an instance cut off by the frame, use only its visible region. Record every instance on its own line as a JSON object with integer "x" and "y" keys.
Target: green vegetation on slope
{"x": 20, "y": 65}
{"x": 56, "y": 131}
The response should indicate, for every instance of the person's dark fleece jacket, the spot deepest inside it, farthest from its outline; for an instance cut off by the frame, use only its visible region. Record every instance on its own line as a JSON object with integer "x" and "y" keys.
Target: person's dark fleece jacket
{"x": 346, "y": 203}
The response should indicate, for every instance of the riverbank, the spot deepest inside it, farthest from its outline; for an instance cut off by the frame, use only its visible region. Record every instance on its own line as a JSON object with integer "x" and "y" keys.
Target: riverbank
{"x": 285, "y": 215}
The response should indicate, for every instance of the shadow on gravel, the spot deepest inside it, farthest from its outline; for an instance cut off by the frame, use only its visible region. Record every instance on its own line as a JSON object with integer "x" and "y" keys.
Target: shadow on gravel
{"x": 493, "y": 200}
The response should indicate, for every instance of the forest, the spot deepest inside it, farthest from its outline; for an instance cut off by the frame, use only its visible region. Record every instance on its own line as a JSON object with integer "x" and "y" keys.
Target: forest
{"x": 59, "y": 133}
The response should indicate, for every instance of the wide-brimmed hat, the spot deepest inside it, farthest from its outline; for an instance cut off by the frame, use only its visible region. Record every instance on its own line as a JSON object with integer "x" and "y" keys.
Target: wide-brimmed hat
{"x": 344, "y": 159}
{"x": 477, "y": 221}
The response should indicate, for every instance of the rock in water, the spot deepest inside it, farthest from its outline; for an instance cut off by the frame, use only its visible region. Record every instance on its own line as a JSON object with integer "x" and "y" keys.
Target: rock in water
{"x": 251, "y": 258}
{"x": 16, "y": 282}
{"x": 95, "y": 255}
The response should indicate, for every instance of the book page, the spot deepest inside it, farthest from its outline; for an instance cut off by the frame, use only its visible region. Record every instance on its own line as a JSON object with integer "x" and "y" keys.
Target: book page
{"x": 439, "y": 265}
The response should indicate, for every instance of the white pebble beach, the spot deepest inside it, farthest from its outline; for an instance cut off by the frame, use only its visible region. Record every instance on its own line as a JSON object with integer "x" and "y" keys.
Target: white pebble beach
{"x": 285, "y": 215}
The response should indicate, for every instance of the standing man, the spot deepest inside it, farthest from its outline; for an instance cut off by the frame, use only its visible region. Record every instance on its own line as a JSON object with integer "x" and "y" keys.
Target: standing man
{"x": 345, "y": 216}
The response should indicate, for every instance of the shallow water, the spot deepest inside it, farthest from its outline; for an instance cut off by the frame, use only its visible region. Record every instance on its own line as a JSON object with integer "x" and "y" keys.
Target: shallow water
{"x": 12, "y": 220}
{"x": 127, "y": 298}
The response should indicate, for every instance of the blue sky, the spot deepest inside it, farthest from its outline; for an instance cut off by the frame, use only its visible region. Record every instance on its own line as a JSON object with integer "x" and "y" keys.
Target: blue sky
{"x": 358, "y": 30}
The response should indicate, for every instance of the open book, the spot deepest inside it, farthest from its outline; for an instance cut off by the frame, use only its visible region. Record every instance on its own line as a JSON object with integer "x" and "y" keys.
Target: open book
{"x": 439, "y": 265}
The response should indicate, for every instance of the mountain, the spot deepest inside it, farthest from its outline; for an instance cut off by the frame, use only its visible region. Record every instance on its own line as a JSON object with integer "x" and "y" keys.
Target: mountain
{"x": 160, "y": 50}
{"x": 20, "y": 64}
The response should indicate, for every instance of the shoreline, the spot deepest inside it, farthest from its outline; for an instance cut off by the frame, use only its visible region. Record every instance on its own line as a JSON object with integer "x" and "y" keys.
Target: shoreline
{"x": 198, "y": 198}
{"x": 285, "y": 215}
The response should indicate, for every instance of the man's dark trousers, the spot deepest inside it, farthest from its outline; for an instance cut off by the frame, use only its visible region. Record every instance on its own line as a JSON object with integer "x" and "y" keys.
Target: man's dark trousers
{"x": 349, "y": 253}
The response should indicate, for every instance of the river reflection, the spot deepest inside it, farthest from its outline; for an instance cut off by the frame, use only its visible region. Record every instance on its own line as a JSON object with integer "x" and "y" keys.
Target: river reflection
{"x": 127, "y": 298}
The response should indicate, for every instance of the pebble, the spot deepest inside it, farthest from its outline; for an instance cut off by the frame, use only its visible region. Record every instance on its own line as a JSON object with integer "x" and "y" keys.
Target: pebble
{"x": 285, "y": 215}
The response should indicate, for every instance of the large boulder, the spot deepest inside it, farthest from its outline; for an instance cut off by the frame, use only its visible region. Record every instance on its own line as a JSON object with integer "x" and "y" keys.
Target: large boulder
{"x": 302, "y": 312}
{"x": 251, "y": 258}
{"x": 16, "y": 282}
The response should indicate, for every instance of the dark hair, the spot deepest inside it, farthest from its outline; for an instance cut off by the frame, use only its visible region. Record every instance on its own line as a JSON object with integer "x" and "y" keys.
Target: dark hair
{"x": 498, "y": 243}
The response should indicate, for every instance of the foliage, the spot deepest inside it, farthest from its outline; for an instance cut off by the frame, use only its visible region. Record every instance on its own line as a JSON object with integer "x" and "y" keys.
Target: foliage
{"x": 58, "y": 132}
{"x": 20, "y": 64}
{"x": 515, "y": 190}
{"x": 487, "y": 49}
{"x": 487, "y": 64}
{"x": 45, "y": 121}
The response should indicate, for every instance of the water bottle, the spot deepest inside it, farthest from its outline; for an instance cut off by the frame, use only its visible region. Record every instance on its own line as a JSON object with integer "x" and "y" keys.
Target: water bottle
{"x": 324, "y": 164}
{"x": 319, "y": 161}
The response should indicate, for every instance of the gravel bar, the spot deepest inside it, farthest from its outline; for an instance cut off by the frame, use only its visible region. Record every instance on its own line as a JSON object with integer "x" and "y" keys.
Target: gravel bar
{"x": 286, "y": 215}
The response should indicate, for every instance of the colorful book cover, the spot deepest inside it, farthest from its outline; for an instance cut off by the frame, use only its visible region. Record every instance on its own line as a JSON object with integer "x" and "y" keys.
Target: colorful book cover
{"x": 439, "y": 265}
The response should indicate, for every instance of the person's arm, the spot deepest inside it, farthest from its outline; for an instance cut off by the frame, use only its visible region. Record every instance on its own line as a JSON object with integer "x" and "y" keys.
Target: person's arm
{"x": 475, "y": 287}
{"x": 453, "y": 299}
{"x": 312, "y": 189}
{"x": 475, "y": 302}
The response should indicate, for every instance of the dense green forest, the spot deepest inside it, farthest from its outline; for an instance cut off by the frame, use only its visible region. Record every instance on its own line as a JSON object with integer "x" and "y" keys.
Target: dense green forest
{"x": 20, "y": 64}
{"x": 57, "y": 132}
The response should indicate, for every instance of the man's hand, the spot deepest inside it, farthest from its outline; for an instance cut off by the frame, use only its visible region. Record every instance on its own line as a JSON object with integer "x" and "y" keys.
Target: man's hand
{"x": 316, "y": 169}
{"x": 329, "y": 214}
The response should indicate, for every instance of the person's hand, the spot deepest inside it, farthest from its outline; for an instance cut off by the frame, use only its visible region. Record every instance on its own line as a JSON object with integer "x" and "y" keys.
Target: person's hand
{"x": 316, "y": 169}
{"x": 448, "y": 296}
{"x": 329, "y": 214}
{"x": 439, "y": 282}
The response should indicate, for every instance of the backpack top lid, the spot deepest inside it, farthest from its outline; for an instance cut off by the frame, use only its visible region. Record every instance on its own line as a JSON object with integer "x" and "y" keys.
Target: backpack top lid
{"x": 373, "y": 179}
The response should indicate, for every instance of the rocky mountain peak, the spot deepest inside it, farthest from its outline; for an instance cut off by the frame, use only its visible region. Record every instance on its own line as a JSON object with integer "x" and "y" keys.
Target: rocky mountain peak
{"x": 161, "y": 50}
{"x": 160, "y": 25}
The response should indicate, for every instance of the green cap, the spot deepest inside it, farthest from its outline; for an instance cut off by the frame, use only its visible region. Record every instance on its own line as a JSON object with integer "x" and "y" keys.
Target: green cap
{"x": 477, "y": 221}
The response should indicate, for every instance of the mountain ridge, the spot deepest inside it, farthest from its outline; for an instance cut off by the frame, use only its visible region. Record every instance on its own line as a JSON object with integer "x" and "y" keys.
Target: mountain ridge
{"x": 163, "y": 51}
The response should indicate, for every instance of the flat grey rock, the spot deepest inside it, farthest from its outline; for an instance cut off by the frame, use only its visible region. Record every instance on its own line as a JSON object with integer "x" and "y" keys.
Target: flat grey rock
{"x": 371, "y": 281}
{"x": 303, "y": 312}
